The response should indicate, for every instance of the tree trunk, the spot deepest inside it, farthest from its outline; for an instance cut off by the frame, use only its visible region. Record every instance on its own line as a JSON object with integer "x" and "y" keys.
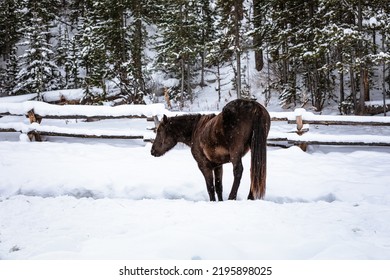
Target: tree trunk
{"x": 182, "y": 83}
{"x": 384, "y": 74}
{"x": 237, "y": 19}
{"x": 189, "y": 90}
{"x": 219, "y": 82}
{"x": 202, "y": 57}
{"x": 341, "y": 76}
{"x": 353, "y": 87}
{"x": 139, "y": 87}
{"x": 362, "y": 70}
{"x": 257, "y": 40}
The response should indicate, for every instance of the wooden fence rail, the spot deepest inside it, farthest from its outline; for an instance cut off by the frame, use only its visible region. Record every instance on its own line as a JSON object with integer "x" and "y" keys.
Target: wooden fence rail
{"x": 303, "y": 138}
{"x": 37, "y": 111}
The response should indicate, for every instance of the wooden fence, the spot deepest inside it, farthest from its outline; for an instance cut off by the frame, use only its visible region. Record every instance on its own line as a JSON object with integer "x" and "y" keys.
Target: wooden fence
{"x": 37, "y": 112}
{"x": 302, "y": 137}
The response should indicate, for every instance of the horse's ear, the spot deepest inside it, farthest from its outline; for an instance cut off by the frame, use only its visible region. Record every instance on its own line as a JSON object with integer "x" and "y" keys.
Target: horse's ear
{"x": 165, "y": 118}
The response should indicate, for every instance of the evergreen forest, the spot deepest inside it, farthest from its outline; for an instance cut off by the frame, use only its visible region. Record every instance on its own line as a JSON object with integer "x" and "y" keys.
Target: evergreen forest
{"x": 308, "y": 52}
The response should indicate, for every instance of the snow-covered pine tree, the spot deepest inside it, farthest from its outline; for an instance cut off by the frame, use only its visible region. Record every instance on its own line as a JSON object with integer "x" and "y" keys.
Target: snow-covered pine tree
{"x": 10, "y": 72}
{"x": 94, "y": 56}
{"x": 232, "y": 14}
{"x": 259, "y": 17}
{"x": 9, "y": 22}
{"x": 75, "y": 61}
{"x": 179, "y": 44}
{"x": 111, "y": 31}
{"x": 328, "y": 40}
{"x": 215, "y": 58}
{"x": 137, "y": 35}
{"x": 38, "y": 72}
{"x": 72, "y": 64}
{"x": 113, "y": 42}
{"x": 207, "y": 18}
{"x": 380, "y": 24}
{"x": 10, "y": 19}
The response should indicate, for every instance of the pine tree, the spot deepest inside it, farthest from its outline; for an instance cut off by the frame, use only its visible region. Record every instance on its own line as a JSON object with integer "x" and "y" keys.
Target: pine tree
{"x": 232, "y": 14}
{"x": 381, "y": 57}
{"x": 9, "y": 22}
{"x": 93, "y": 54}
{"x": 111, "y": 31}
{"x": 38, "y": 72}
{"x": 329, "y": 44}
{"x": 113, "y": 40}
{"x": 179, "y": 46}
{"x": 207, "y": 17}
{"x": 137, "y": 45}
{"x": 10, "y": 19}
{"x": 72, "y": 64}
{"x": 259, "y": 17}
{"x": 133, "y": 59}
{"x": 76, "y": 61}
{"x": 215, "y": 57}
{"x": 9, "y": 74}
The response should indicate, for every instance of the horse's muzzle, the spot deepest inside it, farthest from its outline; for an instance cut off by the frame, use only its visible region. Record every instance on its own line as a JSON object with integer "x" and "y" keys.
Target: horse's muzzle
{"x": 154, "y": 153}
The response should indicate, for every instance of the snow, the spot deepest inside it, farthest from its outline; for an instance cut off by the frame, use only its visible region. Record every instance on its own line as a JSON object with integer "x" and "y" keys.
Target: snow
{"x": 169, "y": 83}
{"x": 68, "y": 198}
{"x": 323, "y": 138}
{"x": 333, "y": 118}
{"x": 377, "y": 102}
{"x": 115, "y": 201}
{"x": 45, "y": 109}
{"x": 69, "y": 94}
{"x": 18, "y": 98}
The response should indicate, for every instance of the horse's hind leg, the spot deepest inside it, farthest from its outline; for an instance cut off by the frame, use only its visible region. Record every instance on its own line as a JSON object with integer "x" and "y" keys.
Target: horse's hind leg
{"x": 237, "y": 172}
{"x": 218, "y": 181}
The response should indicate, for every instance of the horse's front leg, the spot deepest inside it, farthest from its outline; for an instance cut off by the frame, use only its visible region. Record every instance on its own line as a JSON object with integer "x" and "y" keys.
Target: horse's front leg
{"x": 218, "y": 171}
{"x": 208, "y": 176}
{"x": 237, "y": 172}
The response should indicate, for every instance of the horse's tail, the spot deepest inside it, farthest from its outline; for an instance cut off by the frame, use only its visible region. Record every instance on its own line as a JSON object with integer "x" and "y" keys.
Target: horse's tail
{"x": 261, "y": 124}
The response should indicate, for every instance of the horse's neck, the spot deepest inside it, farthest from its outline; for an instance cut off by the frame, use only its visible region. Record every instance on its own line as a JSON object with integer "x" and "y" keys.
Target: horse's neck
{"x": 186, "y": 127}
{"x": 202, "y": 125}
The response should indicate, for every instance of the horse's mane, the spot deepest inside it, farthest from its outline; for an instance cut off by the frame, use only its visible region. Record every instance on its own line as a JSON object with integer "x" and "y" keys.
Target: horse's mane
{"x": 189, "y": 119}
{"x": 183, "y": 126}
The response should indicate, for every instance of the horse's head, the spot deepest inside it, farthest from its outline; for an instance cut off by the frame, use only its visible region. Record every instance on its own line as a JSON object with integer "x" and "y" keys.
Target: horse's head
{"x": 165, "y": 138}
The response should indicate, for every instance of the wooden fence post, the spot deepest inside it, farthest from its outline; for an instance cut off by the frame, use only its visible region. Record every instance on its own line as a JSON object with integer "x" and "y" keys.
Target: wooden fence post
{"x": 34, "y": 119}
{"x": 299, "y": 122}
{"x": 300, "y": 131}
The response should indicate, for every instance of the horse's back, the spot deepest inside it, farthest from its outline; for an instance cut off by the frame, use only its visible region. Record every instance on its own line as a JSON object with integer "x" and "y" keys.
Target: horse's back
{"x": 238, "y": 118}
{"x": 242, "y": 110}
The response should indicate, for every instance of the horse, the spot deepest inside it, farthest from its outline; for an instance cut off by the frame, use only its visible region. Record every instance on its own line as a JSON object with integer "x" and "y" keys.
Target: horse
{"x": 218, "y": 139}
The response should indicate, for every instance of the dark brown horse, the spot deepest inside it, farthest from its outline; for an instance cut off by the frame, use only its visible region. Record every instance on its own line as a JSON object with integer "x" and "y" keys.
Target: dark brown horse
{"x": 218, "y": 139}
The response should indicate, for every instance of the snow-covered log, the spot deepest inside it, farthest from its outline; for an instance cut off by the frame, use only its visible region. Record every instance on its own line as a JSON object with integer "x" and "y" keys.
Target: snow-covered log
{"x": 46, "y": 110}
{"x": 376, "y": 107}
{"x": 324, "y": 139}
{"x": 36, "y": 111}
{"x": 37, "y": 130}
{"x": 310, "y": 118}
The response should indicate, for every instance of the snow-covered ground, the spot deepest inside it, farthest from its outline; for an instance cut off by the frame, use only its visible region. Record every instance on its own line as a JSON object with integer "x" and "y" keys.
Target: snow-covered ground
{"x": 69, "y": 198}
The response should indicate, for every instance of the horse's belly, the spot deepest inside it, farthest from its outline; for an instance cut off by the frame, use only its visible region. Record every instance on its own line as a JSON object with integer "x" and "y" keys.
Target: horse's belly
{"x": 217, "y": 154}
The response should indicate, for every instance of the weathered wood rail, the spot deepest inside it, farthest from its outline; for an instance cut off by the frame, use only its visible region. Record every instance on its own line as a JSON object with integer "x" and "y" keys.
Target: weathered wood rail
{"x": 301, "y": 135}
{"x": 37, "y": 111}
